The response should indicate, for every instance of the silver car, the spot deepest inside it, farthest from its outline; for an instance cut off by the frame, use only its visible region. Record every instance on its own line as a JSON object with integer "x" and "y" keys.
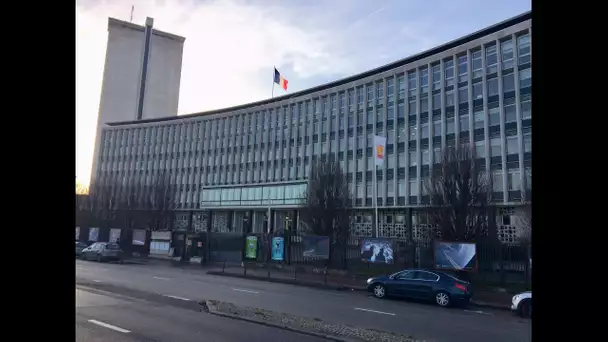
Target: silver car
{"x": 103, "y": 251}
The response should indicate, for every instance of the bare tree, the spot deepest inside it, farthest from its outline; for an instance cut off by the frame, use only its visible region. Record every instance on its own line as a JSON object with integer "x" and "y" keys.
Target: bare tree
{"x": 100, "y": 204}
{"x": 325, "y": 209}
{"x": 159, "y": 202}
{"x": 460, "y": 195}
{"x": 81, "y": 189}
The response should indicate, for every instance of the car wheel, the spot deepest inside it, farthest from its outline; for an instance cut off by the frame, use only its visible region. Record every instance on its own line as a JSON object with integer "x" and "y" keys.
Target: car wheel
{"x": 442, "y": 299}
{"x": 525, "y": 309}
{"x": 99, "y": 257}
{"x": 379, "y": 291}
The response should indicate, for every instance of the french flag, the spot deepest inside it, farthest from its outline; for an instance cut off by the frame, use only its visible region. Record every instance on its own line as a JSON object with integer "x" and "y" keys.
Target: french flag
{"x": 280, "y": 80}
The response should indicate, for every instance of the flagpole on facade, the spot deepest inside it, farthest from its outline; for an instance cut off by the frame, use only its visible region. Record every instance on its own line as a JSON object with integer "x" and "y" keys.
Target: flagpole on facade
{"x": 273, "y": 71}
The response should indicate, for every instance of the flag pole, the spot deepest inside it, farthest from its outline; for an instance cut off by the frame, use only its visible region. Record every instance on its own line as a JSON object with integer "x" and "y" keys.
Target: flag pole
{"x": 273, "y": 70}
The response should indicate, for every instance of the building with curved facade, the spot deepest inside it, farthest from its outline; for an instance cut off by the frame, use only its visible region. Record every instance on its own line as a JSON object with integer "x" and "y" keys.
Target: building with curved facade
{"x": 235, "y": 167}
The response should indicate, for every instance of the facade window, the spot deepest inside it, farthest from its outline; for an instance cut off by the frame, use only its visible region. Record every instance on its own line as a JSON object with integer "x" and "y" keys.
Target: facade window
{"x": 411, "y": 83}
{"x": 507, "y": 54}
{"x": 497, "y": 181}
{"x": 526, "y": 109}
{"x": 523, "y": 48}
{"x": 380, "y": 90}
{"x": 413, "y": 132}
{"x": 495, "y": 147}
{"x": 493, "y": 86}
{"x": 437, "y": 101}
{"x": 401, "y": 188}
{"x": 390, "y": 88}
{"x": 480, "y": 149}
{"x": 401, "y": 86}
{"x": 462, "y": 68}
{"x": 494, "y": 116}
{"x": 360, "y": 95}
{"x": 449, "y": 127}
{"x": 412, "y": 107}
{"x": 477, "y": 90}
{"x": 512, "y": 147}
{"x": 437, "y": 155}
{"x": 491, "y": 59}
{"x": 525, "y": 78}
{"x": 476, "y": 63}
{"x": 425, "y": 156}
{"x": 424, "y": 130}
{"x": 513, "y": 180}
{"x": 424, "y": 81}
{"x": 449, "y": 98}
{"x": 478, "y": 118}
{"x": 413, "y": 158}
{"x": 508, "y": 82}
{"x": 464, "y": 123}
{"x": 437, "y": 128}
{"x": 448, "y": 65}
{"x": 463, "y": 94}
{"x": 527, "y": 142}
{"x": 401, "y": 111}
{"x": 413, "y": 187}
{"x": 510, "y": 111}
{"x": 436, "y": 69}
{"x": 424, "y": 103}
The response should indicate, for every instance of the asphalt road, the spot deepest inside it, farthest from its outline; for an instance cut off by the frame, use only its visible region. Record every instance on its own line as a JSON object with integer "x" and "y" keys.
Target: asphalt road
{"x": 104, "y": 316}
{"x": 423, "y": 321}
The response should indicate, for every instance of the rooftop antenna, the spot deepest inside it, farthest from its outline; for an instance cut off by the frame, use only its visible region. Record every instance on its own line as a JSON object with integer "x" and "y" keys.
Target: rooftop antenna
{"x": 132, "y": 9}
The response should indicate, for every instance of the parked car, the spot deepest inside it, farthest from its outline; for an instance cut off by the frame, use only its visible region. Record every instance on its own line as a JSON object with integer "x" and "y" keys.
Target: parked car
{"x": 521, "y": 303}
{"x": 442, "y": 288}
{"x": 103, "y": 251}
{"x": 79, "y": 247}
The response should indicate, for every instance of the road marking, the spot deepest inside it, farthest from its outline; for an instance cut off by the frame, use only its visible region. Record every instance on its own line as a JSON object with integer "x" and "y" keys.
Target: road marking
{"x": 478, "y": 312}
{"x": 96, "y": 281}
{"x": 248, "y": 291}
{"x": 176, "y": 297}
{"x": 374, "y": 311}
{"x": 161, "y": 278}
{"x": 109, "y": 326}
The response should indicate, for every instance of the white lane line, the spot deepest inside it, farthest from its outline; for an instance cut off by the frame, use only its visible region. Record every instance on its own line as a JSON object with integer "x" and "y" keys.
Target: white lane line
{"x": 109, "y": 326}
{"x": 96, "y": 281}
{"x": 248, "y": 291}
{"x": 374, "y": 311}
{"x": 478, "y": 312}
{"x": 161, "y": 278}
{"x": 176, "y": 297}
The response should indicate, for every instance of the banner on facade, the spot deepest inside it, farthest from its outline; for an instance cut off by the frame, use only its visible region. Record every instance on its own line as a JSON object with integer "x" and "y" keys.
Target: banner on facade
{"x": 278, "y": 249}
{"x": 379, "y": 149}
{"x": 251, "y": 247}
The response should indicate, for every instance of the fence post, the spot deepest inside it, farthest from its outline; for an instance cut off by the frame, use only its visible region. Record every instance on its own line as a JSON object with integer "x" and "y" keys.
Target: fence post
{"x": 325, "y": 275}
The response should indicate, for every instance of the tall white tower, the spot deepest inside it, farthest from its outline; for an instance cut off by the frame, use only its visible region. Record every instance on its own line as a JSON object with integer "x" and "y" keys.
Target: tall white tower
{"x": 141, "y": 76}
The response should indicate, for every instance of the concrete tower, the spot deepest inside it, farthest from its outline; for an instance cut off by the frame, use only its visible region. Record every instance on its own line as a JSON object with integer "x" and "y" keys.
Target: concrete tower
{"x": 141, "y": 76}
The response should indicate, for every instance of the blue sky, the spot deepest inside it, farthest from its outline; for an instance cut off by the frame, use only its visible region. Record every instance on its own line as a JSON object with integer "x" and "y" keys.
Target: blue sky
{"x": 232, "y": 45}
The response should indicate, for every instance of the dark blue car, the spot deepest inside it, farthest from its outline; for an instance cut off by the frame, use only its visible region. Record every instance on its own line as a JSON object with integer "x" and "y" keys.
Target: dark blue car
{"x": 442, "y": 288}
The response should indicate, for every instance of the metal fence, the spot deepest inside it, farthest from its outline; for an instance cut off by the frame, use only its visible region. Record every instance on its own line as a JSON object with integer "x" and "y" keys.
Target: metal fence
{"x": 498, "y": 264}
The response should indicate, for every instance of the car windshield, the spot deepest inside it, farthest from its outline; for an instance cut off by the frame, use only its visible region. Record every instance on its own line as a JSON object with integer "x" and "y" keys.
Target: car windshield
{"x": 112, "y": 246}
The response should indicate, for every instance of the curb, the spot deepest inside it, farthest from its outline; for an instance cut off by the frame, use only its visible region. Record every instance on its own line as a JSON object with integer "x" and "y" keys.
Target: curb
{"x": 330, "y": 287}
{"x": 214, "y": 311}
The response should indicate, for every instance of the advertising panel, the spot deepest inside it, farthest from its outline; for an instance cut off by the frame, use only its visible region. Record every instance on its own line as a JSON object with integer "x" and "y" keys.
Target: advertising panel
{"x": 315, "y": 247}
{"x": 377, "y": 251}
{"x": 251, "y": 247}
{"x": 278, "y": 249}
{"x": 458, "y": 256}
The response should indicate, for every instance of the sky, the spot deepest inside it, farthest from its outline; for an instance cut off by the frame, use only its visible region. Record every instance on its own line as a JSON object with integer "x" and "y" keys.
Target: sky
{"x": 232, "y": 45}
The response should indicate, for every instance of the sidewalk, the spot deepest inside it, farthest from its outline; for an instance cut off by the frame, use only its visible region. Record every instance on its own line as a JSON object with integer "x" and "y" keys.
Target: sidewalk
{"x": 490, "y": 299}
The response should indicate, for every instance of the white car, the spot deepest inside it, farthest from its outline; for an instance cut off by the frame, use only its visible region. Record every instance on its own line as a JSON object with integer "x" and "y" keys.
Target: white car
{"x": 522, "y": 304}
